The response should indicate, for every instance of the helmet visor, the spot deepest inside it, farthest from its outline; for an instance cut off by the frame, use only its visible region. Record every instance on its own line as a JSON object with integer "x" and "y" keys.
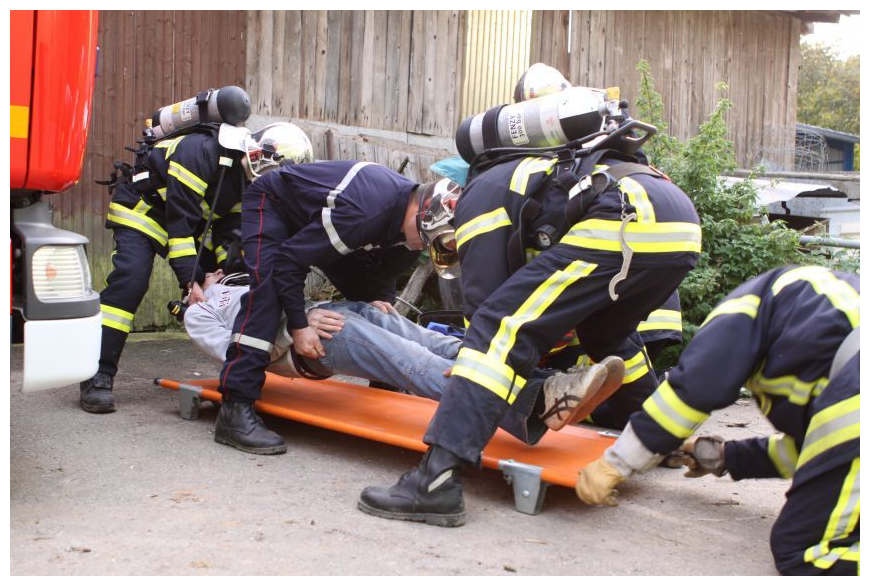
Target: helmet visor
{"x": 444, "y": 255}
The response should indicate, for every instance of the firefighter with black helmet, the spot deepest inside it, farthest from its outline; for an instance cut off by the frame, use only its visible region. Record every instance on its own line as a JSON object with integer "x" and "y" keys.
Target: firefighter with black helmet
{"x": 621, "y": 237}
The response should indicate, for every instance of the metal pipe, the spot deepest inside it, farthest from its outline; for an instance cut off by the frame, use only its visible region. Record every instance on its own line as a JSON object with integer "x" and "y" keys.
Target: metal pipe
{"x": 835, "y": 242}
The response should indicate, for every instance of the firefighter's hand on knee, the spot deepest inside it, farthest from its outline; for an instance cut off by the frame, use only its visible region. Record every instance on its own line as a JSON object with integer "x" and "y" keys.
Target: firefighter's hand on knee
{"x": 307, "y": 343}
{"x": 325, "y": 322}
{"x": 597, "y": 483}
{"x": 383, "y": 306}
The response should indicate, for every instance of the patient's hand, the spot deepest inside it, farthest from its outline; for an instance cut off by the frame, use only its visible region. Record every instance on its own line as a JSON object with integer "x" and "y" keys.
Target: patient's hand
{"x": 383, "y": 306}
{"x": 324, "y": 321}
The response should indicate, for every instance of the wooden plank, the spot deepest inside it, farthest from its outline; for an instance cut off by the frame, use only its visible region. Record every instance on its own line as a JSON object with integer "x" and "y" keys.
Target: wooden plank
{"x": 793, "y": 67}
{"x": 333, "y": 73}
{"x": 343, "y": 88}
{"x": 429, "y": 83}
{"x": 285, "y": 62}
{"x": 461, "y": 39}
{"x": 315, "y": 109}
{"x": 308, "y": 59}
{"x": 597, "y": 47}
{"x": 403, "y": 80}
{"x": 379, "y": 91}
{"x": 366, "y": 73}
{"x": 416, "y": 89}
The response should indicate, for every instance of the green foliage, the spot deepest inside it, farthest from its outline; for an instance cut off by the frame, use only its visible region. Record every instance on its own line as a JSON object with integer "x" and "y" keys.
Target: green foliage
{"x": 828, "y": 91}
{"x": 738, "y": 242}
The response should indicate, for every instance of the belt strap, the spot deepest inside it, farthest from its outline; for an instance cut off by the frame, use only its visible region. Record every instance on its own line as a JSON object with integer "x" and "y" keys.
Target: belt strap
{"x": 847, "y": 350}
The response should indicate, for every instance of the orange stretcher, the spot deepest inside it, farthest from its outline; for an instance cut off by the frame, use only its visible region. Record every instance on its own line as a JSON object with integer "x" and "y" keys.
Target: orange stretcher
{"x": 401, "y": 420}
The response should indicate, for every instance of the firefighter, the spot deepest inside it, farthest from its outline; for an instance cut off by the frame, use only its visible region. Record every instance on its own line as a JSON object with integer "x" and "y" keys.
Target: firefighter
{"x": 161, "y": 209}
{"x": 294, "y": 218}
{"x": 616, "y": 238}
{"x": 791, "y": 336}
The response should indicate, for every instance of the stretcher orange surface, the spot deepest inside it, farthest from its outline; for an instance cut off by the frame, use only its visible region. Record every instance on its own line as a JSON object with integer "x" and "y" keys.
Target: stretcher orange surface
{"x": 401, "y": 420}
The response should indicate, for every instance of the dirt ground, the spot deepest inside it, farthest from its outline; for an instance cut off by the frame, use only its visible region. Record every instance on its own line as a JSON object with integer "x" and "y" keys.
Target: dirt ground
{"x": 143, "y": 492}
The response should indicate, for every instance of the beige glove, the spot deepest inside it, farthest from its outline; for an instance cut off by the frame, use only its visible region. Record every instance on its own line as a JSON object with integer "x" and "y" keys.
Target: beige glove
{"x": 703, "y": 454}
{"x": 597, "y": 482}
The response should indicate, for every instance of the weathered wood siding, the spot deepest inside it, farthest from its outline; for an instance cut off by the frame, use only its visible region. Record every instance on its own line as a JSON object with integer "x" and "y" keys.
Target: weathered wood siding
{"x": 755, "y": 53}
{"x": 147, "y": 60}
{"x": 391, "y": 70}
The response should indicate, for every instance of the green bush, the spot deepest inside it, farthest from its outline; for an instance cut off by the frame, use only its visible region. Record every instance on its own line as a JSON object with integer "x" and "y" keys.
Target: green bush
{"x": 738, "y": 242}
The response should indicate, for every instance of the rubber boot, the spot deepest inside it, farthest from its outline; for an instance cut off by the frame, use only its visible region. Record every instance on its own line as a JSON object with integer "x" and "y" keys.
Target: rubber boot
{"x": 570, "y": 397}
{"x": 96, "y": 394}
{"x": 430, "y": 493}
{"x": 239, "y": 426}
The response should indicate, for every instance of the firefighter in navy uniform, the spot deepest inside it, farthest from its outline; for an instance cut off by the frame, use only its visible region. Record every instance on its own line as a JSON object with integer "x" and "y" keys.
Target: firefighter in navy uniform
{"x": 615, "y": 254}
{"x": 791, "y": 336}
{"x": 339, "y": 216}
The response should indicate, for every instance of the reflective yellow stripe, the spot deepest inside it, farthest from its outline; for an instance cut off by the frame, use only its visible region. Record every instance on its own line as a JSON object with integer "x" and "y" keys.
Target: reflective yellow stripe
{"x": 841, "y": 295}
{"x": 843, "y": 521}
{"x": 142, "y": 207}
{"x": 179, "y": 247}
{"x": 116, "y": 318}
{"x": 782, "y": 450}
{"x": 527, "y": 168}
{"x": 831, "y": 427}
{"x": 797, "y": 391}
{"x": 746, "y": 304}
{"x": 19, "y": 121}
{"x": 482, "y": 224}
{"x": 220, "y": 253}
{"x": 170, "y": 145}
{"x": 662, "y": 319}
{"x": 486, "y": 371}
{"x": 647, "y": 238}
{"x": 236, "y": 209}
{"x": 533, "y": 307}
{"x": 635, "y": 368}
{"x": 187, "y": 178}
{"x": 161, "y": 191}
{"x": 671, "y": 413}
{"x": 127, "y": 217}
{"x": 638, "y": 197}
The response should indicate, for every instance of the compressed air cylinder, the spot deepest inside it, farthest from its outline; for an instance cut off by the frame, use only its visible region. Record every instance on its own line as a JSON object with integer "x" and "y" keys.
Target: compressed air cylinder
{"x": 546, "y": 121}
{"x": 229, "y": 104}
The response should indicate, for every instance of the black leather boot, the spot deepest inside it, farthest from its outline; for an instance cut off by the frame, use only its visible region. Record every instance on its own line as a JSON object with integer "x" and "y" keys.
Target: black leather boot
{"x": 430, "y": 493}
{"x": 239, "y": 426}
{"x": 96, "y": 394}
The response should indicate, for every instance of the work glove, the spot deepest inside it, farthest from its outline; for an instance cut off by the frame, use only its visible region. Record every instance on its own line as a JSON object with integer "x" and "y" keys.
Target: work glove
{"x": 702, "y": 455}
{"x": 597, "y": 482}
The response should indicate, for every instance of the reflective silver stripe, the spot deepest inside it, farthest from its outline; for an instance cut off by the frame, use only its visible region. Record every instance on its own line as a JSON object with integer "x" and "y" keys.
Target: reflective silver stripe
{"x": 253, "y": 342}
{"x": 141, "y": 176}
{"x": 831, "y": 427}
{"x": 330, "y": 199}
{"x": 842, "y": 522}
{"x": 783, "y": 452}
{"x": 333, "y": 234}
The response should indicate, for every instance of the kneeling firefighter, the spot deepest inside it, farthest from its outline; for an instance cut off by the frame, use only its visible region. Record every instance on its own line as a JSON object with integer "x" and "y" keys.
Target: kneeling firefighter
{"x": 613, "y": 239}
{"x": 184, "y": 189}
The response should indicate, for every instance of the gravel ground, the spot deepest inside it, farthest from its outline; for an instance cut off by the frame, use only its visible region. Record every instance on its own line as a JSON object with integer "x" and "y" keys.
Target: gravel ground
{"x": 143, "y": 492}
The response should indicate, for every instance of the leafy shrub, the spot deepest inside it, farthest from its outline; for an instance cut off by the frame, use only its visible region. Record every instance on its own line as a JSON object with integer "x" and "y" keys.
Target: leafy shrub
{"x": 738, "y": 242}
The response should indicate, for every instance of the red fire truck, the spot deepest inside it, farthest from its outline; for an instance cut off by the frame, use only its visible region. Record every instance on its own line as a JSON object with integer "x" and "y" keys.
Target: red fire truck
{"x": 53, "y": 61}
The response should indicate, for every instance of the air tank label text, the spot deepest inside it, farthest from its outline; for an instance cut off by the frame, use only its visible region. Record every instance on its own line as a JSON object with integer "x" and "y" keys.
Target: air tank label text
{"x": 516, "y": 127}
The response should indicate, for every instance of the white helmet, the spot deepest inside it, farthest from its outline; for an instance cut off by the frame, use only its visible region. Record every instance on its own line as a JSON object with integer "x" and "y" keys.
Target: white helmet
{"x": 268, "y": 148}
{"x": 437, "y": 206}
{"x": 539, "y": 80}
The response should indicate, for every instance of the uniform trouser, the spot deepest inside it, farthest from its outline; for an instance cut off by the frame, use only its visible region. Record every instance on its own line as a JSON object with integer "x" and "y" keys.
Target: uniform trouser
{"x": 528, "y": 314}
{"x": 818, "y": 529}
{"x": 249, "y": 353}
{"x": 392, "y": 349}
{"x": 126, "y": 285}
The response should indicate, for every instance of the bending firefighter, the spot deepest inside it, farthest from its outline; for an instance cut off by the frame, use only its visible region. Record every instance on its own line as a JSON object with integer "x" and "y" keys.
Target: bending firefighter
{"x": 613, "y": 239}
{"x": 791, "y": 336}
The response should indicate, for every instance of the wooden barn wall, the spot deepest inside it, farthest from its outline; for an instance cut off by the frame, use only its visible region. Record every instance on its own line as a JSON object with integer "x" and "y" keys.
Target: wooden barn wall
{"x": 755, "y": 53}
{"x": 147, "y": 60}
{"x": 395, "y": 70}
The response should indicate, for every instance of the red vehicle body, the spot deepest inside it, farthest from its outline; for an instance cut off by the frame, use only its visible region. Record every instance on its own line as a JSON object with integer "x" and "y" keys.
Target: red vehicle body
{"x": 53, "y": 61}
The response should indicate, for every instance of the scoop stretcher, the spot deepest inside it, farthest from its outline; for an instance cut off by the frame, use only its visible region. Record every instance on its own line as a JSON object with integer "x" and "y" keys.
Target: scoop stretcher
{"x": 401, "y": 420}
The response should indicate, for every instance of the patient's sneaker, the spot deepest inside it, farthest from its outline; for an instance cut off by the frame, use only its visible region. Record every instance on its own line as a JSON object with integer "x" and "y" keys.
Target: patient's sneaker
{"x": 570, "y": 397}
